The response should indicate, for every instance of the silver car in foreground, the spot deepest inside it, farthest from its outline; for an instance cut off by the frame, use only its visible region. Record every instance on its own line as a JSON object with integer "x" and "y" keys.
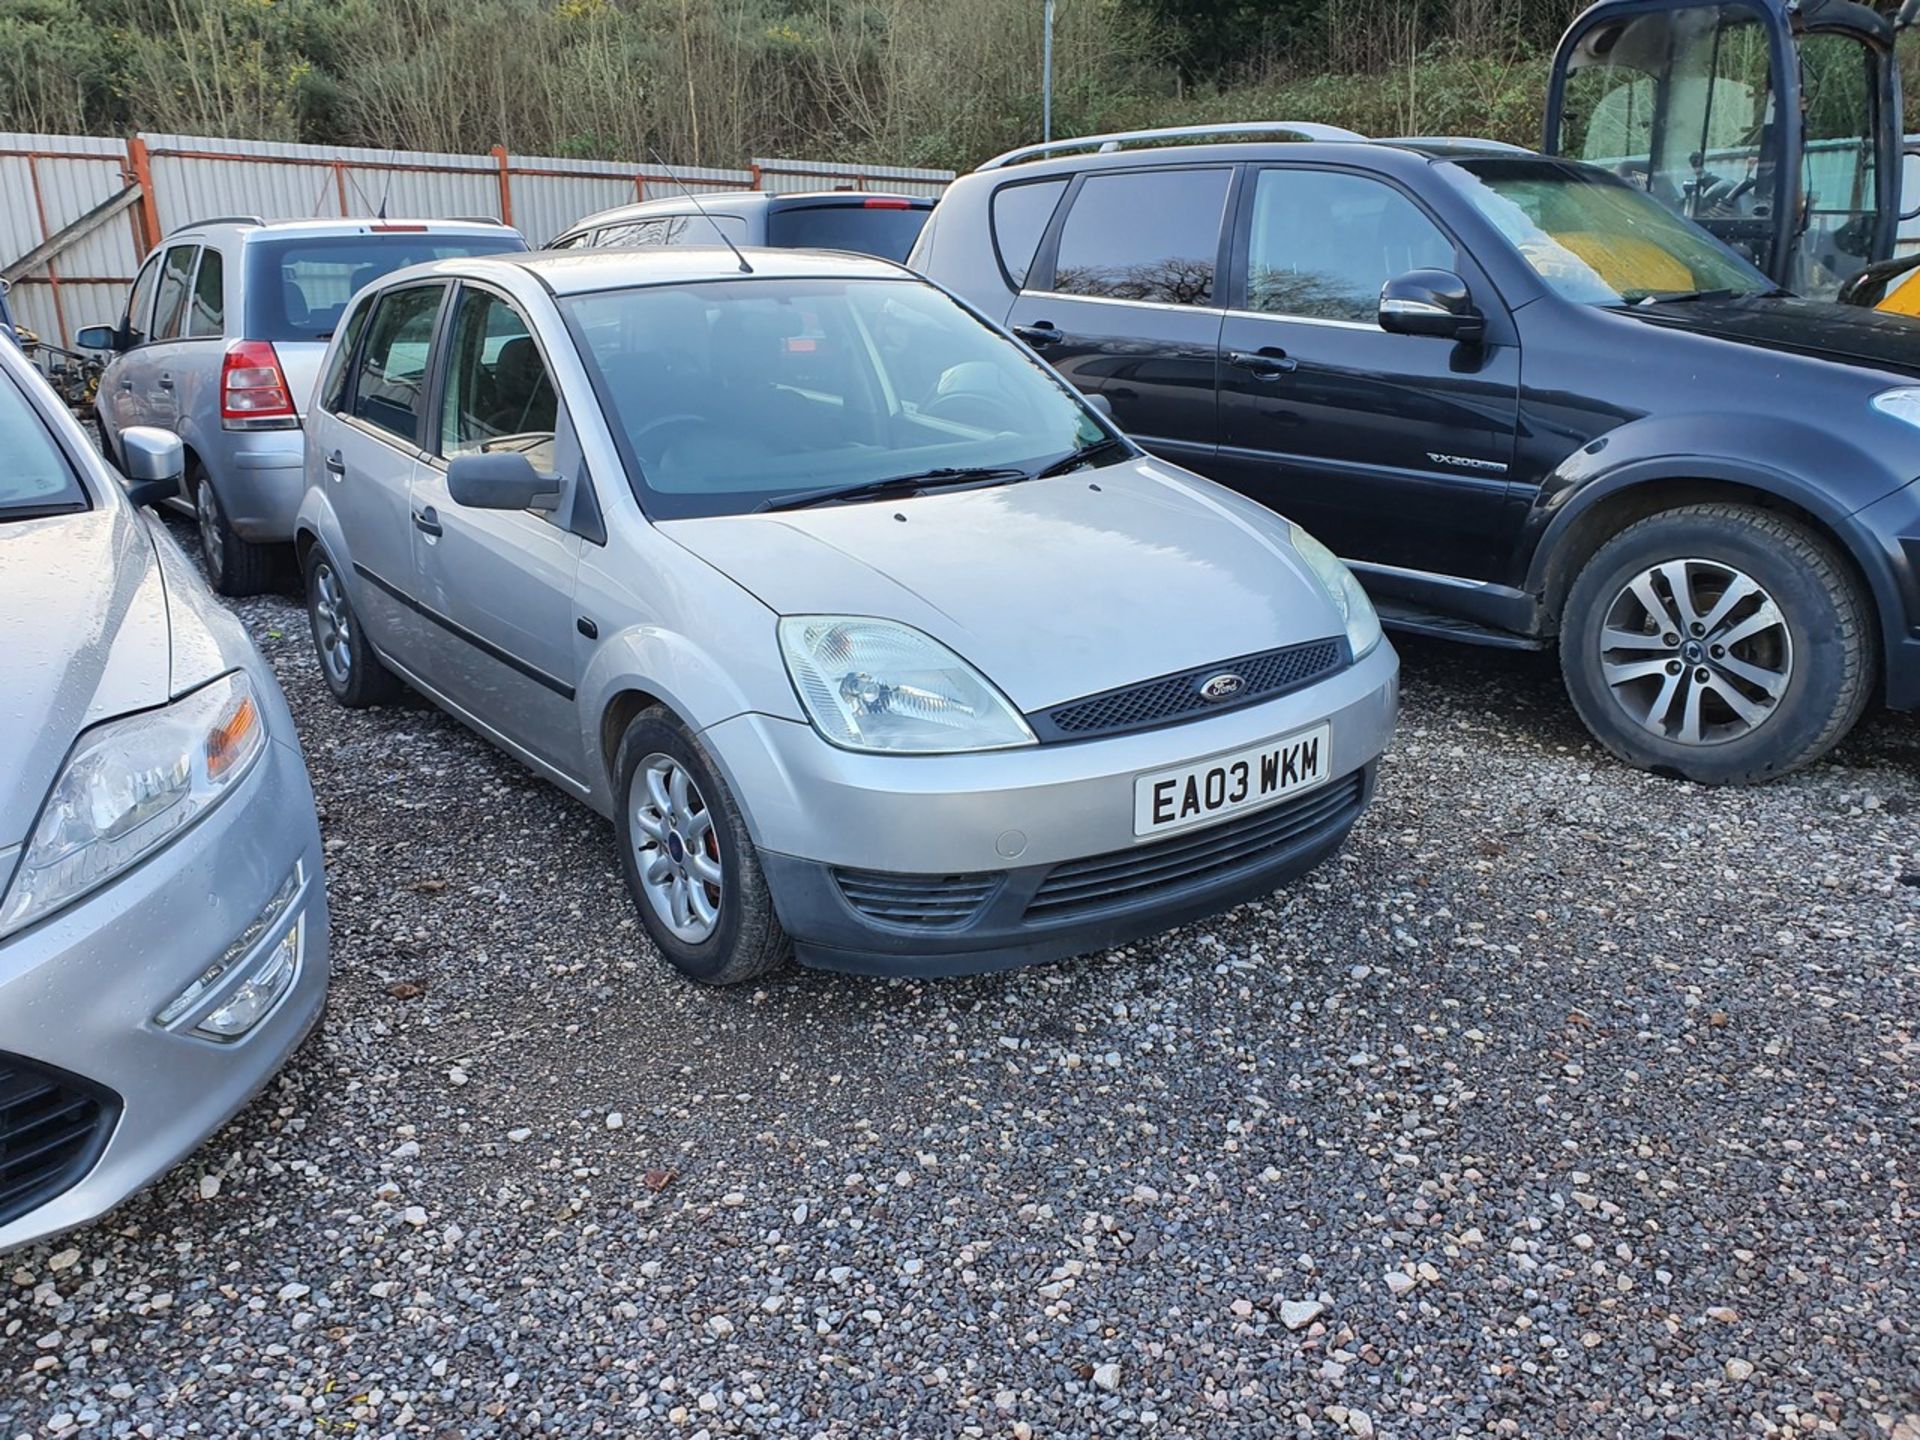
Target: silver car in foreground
{"x": 163, "y": 926}
{"x": 864, "y": 629}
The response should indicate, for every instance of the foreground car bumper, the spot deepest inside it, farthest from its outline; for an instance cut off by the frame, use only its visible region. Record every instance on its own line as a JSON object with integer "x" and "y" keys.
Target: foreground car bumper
{"x": 949, "y": 864}
{"x": 83, "y": 1058}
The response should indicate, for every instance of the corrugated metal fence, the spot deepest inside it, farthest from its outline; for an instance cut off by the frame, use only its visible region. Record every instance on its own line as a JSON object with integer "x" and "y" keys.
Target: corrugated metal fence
{"x": 68, "y": 192}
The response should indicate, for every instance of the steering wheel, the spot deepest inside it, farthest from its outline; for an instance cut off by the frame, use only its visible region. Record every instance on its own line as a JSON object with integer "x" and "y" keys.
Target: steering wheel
{"x": 638, "y": 438}
{"x": 969, "y": 407}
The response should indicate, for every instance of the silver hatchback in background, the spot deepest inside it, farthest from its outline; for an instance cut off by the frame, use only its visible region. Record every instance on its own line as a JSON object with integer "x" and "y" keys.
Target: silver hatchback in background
{"x": 220, "y": 342}
{"x": 866, "y": 631}
{"x": 163, "y": 917}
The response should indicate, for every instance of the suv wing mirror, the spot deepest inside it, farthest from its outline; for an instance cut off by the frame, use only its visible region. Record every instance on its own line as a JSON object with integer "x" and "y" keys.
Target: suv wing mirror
{"x": 1430, "y": 302}
{"x": 155, "y": 461}
{"x": 506, "y": 481}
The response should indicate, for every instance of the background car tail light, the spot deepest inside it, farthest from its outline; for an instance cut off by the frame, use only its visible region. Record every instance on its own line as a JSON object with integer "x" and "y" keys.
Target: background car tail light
{"x": 254, "y": 394}
{"x": 887, "y": 202}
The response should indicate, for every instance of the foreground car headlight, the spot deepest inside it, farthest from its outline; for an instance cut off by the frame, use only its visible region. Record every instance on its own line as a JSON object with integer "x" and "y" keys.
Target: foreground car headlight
{"x": 1363, "y": 623}
{"x": 878, "y": 685}
{"x": 1901, "y": 404}
{"x": 129, "y": 786}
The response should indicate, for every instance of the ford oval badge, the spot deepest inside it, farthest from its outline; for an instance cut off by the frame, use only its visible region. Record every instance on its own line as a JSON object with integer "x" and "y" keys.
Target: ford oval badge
{"x": 1222, "y": 687}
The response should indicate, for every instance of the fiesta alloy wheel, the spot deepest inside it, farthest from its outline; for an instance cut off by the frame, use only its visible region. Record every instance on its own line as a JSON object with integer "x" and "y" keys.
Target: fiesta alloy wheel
{"x": 688, "y": 859}
{"x": 354, "y": 674}
{"x": 1721, "y": 643}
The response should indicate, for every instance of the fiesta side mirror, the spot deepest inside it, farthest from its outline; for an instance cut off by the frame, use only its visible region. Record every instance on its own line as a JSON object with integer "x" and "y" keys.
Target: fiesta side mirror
{"x": 506, "y": 481}
{"x": 155, "y": 460}
{"x": 98, "y": 337}
{"x": 1430, "y": 302}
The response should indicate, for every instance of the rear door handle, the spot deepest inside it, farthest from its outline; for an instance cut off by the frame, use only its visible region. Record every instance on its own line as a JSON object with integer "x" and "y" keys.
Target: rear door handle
{"x": 1267, "y": 364}
{"x": 427, "y": 521}
{"x": 336, "y": 466}
{"x": 1041, "y": 334}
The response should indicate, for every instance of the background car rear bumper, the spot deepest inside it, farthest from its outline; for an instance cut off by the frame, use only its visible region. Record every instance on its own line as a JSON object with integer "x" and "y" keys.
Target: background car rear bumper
{"x": 260, "y": 477}
{"x": 79, "y": 992}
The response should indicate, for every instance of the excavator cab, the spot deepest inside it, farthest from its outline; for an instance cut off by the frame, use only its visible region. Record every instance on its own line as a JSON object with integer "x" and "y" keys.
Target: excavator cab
{"x": 1774, "y": 124}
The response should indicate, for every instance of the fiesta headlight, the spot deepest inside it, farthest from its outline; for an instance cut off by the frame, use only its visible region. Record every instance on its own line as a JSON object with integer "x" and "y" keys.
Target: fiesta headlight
{"x": 131, "y": 785}
{"x": 1356, "y": 610}
{"x": 879, "y": 685}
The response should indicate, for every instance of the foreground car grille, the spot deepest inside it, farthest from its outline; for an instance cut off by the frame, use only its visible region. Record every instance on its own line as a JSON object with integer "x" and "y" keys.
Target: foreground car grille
{"x": 51, "y": 1131}
{"x": 1082, "y": 887}
{"x": 1178, "y": 697}
{"x": 925, "y": 902}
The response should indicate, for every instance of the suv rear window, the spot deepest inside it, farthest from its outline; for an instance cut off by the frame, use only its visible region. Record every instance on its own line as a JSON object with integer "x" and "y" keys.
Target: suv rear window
{"x": 1020, "y": 216}
{"x": 1143, "y": 235}
{"x": 884, "y": 230}
{"x": 297, "y": 289}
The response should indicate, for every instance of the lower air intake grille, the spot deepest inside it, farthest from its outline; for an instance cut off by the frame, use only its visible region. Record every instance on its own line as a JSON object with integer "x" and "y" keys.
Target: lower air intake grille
{"x": 1179, "y": 697}
{"x": 921, "y": 902}
{"x": 51, "y": 1131}
{"x": 1082, "y": 887}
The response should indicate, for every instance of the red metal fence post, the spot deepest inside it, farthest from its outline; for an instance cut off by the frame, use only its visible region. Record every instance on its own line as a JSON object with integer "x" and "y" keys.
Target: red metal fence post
{"x": 141, "y": 164}
{"x": 506, "y": 184}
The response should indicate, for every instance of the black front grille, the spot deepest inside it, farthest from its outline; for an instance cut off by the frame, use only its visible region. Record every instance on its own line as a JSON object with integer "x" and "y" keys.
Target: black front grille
{"x": 51, "y": 1131}
{"x": 1178, "y": 697}
{"x": 922, "y": 902}
{"x": 1081, "y": 887}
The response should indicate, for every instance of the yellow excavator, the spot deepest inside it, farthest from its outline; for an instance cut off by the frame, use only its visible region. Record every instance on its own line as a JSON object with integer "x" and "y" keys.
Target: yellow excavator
{"x": 1775, "y": 124}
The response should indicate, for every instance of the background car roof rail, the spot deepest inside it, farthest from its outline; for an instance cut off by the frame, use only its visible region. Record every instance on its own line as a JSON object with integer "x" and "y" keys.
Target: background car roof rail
{"x": 475, "y": 220}
{"x": 1457, "y": 142}
{"x": 218, "y": 220}
{"x": 1303, "y": 129}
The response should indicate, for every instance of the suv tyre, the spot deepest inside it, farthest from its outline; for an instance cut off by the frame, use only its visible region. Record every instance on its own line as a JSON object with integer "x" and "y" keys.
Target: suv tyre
{"x": 688, "y": 859}
{"x": 236, "y": 567}
{"x": 1720, "y": 643}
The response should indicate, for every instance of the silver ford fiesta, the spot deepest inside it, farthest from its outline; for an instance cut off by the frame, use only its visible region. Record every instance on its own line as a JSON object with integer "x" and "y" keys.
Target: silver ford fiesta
{"x": 875, "y": 641}
{"x": 163, "y": 926}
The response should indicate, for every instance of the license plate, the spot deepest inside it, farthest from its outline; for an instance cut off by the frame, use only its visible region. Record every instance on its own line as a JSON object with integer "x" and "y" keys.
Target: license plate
{"x": 1245, "y": 780}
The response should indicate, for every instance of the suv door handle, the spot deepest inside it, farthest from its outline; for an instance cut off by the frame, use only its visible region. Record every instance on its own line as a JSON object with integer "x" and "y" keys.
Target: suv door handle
{"x": 337, "y": 465}
{"x": 1269, "y": 363}
{"x": 1043, "y": 333}
{"x": 427, "y": 521}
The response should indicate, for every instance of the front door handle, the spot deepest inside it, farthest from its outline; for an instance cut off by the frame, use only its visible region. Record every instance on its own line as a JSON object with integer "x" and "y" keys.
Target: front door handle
{"x": 427, "y": 522}
{"x": 1041, "y": 333}
{"x": 337, "y": 465}
{"x": 1269, "y": 363}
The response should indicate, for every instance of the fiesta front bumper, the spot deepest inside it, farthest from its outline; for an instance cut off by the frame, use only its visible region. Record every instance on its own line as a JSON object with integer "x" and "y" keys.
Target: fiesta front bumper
{"x": 926, "y": 865}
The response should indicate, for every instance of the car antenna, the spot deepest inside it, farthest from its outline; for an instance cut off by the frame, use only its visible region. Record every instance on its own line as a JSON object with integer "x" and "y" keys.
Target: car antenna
{"x": 667, "y": 170}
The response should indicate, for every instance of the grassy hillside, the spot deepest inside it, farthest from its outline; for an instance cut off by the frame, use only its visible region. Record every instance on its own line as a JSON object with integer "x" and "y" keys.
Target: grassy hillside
{"x": 938, "y": 82}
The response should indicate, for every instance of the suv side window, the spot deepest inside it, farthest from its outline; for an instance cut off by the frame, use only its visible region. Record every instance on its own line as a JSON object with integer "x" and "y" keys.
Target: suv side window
{"x": 139, "y": 317}
{"x": 1143, "y": 235}
{"x": 176, "y": 279}
{"x": 498, "y": 393}
{"x": 1323, "y": 242}
{"x": 1020, "y": 216}
{"x": 207, "y": 313}
{"x": 390, "y": 380}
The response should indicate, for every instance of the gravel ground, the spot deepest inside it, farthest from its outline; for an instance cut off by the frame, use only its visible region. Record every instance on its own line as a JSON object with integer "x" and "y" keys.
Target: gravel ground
{"x": 1565, "y": 1101}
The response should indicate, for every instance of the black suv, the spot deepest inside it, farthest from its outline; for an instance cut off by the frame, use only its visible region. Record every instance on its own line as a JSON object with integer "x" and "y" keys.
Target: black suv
{"x": 1524, "y": 401}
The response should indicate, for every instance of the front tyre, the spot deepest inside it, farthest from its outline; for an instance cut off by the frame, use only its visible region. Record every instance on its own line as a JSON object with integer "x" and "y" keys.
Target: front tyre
{"x": 688, "y": 860}
{"x": 1719, "y": 643}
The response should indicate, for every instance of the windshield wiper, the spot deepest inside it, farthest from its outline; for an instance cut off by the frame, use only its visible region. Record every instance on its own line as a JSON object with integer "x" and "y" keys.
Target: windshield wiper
{"x": 1074, "y": 459}
{"x": 914, "y": 484}
{"x": 1685, "y": 297}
